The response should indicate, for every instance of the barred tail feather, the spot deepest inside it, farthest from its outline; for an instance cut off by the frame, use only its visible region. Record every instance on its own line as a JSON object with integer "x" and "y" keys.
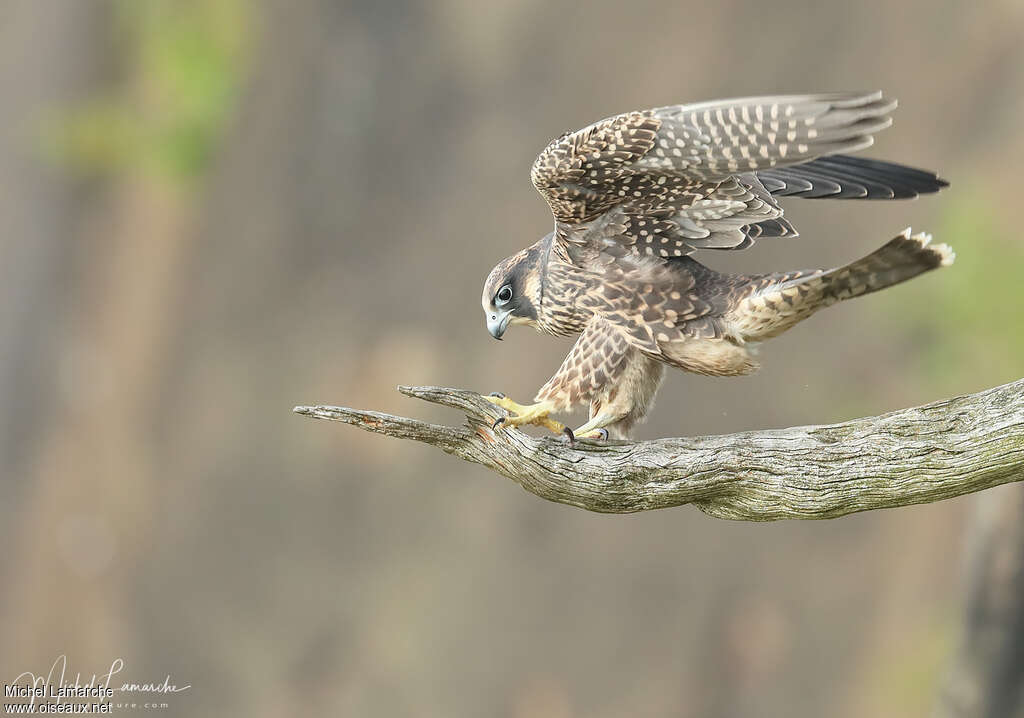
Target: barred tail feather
{"x": 774, "y": 303}
{"x": 901, "y": 259}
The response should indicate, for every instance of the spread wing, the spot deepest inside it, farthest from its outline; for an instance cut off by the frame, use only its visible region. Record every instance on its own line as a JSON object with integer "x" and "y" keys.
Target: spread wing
{"x": 667, "y": 181}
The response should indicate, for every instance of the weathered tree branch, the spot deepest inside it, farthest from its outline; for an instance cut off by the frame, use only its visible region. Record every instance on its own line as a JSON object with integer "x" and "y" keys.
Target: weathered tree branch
{"x": 913, "y": 456}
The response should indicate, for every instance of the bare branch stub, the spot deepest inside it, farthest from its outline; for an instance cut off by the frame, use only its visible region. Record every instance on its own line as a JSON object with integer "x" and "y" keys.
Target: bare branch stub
{"x": 917, "y": 455}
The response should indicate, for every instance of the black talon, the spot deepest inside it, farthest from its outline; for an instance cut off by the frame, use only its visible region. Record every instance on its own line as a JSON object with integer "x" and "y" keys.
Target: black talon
{"x": 603, "y": 433}
{"x": 497, "y": 422}
{"x": 568, "y": 432}
{"x": 497, "y": 395}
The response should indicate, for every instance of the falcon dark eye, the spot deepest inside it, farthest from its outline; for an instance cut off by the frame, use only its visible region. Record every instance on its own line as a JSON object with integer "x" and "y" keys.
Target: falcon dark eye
{"x": 504, "y": 295}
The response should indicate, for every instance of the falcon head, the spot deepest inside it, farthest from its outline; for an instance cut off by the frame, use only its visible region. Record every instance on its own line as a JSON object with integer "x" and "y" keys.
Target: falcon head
{"x": 512, "y": 292}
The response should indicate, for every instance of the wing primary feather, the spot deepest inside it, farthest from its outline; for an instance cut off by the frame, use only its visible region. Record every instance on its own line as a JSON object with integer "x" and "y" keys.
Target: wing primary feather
{"x": 819, "y": 185}
{"x": 857, "y": 178}
{"x": 905, "y": 182}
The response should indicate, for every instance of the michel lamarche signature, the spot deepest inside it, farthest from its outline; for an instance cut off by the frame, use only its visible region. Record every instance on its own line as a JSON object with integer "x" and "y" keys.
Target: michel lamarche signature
{"x": 58, "y": 683}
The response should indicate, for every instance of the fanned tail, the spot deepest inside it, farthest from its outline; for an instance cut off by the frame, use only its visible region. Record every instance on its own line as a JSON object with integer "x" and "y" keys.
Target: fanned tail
{"x": 774, "y": 303}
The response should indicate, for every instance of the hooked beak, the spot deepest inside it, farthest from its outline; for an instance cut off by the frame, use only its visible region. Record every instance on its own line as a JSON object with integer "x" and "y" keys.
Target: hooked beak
{"x": 497, "y": 322}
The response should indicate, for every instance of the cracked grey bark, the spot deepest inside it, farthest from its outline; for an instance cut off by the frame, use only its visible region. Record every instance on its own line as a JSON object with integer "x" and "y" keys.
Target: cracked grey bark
{"x": 912, "y": 456}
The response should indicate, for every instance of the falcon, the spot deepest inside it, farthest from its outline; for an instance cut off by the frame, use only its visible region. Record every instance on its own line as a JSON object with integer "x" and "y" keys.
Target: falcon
{"x": 635, "y": 195}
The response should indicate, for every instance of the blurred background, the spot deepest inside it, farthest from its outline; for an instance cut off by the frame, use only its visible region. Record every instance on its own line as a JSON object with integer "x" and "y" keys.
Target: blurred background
{"x": 211, "y": 211}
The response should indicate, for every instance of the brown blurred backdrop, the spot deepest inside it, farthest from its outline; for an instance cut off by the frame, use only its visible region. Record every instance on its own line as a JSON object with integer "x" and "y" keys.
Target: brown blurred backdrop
{"x": 213, "y": 211}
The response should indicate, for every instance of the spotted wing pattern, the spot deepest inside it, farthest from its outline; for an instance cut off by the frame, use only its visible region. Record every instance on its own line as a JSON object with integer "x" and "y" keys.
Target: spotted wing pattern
{"x": 689, "y": 172}
{"x": 687, "y": 315}
{"x": 674, "y": 312}
{"x": 653, "y": 303}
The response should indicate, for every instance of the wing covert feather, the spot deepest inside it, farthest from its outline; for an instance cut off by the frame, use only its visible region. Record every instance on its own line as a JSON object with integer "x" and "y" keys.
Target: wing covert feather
{"x": 692, "y": 169}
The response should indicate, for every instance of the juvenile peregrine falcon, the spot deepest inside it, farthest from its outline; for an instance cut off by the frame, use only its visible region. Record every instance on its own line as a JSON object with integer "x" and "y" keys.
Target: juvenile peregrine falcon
{"x": 634, "y": 195}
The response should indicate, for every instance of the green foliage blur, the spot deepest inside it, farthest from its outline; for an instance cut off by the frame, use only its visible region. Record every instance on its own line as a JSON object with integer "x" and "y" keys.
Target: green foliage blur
{"x": 167, "y": 115}
{"x": 969, "y": 322}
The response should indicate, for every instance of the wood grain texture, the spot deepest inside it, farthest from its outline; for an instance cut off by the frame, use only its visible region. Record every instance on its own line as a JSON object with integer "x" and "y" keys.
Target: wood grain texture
{"x": 912, "y": 456}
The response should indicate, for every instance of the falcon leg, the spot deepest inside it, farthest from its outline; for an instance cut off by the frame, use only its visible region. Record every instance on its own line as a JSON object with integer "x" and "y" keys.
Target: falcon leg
{"x": 594, "y": 429}
{"x": 528, "y": 414}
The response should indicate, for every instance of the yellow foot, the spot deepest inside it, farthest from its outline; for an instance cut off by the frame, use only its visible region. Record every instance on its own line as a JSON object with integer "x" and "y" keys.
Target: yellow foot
{"x": 595, "y": 434}
{"x": 528, "y": 414}
{"x": 595, "y": 428}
